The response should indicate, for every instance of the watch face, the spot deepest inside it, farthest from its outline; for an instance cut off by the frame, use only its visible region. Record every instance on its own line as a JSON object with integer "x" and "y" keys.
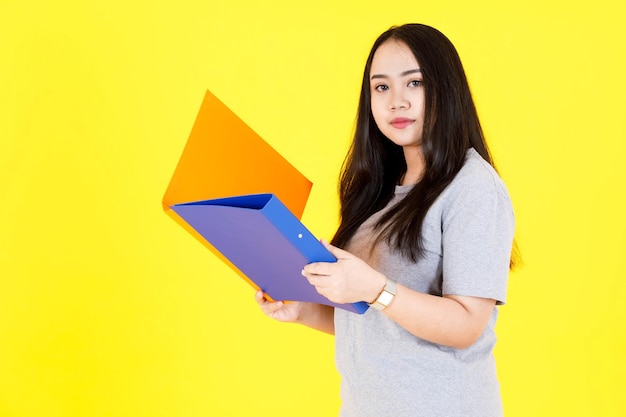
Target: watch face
{"x": 385, "y": 297}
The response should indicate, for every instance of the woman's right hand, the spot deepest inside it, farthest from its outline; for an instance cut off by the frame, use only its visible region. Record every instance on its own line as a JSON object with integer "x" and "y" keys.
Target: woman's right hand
{"x": 279, "y": 310}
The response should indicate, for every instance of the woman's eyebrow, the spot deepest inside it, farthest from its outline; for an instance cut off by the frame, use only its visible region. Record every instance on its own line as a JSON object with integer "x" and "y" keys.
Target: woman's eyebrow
{"x": 402, "y": 74}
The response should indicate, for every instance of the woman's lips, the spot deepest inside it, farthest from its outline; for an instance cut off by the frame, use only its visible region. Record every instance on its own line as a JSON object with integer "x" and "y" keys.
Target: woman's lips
{"x": 401, "y": 122}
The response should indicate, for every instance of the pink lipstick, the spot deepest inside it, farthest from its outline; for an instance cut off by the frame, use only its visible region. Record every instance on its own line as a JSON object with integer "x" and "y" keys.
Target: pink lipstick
{"x": 401, "y": 122}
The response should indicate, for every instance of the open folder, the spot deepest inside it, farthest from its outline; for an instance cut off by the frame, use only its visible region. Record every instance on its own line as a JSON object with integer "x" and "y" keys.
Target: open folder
{"x": 243, "y": 200}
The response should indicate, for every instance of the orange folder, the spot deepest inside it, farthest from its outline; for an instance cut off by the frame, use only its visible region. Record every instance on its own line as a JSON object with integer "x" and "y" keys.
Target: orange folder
{"x": 225, "y": 157}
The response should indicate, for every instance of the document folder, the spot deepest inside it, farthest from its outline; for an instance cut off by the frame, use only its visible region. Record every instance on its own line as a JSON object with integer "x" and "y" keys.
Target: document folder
{"x": 266, "y": 242}
{"x": 242, "y": 200}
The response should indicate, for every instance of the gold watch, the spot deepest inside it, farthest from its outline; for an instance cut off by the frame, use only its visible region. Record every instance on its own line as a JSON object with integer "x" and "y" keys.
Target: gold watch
{"x": 386, "y": 295}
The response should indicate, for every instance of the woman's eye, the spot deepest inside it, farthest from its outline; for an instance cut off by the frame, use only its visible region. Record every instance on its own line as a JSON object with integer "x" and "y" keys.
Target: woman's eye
{"x": 415, "y": 83}
{"x": 381, "y": 87}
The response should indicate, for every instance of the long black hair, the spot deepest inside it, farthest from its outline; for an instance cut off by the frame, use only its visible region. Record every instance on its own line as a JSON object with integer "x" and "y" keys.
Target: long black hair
{"x": 374, "y": 164}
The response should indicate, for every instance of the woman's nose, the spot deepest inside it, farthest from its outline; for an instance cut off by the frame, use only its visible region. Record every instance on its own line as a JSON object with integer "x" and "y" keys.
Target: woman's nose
{"x": 398, "y": 101}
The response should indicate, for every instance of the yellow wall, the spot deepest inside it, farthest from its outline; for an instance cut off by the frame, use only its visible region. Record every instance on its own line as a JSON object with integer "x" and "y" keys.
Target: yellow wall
{"x": 109, "y": 308}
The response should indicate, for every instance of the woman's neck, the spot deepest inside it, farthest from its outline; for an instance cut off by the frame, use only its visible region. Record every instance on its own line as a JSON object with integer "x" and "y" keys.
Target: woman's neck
{"x": 415, "y": 165}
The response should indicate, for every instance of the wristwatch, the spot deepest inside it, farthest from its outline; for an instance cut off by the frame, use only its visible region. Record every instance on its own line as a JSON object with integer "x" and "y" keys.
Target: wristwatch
{"x": 386, "y": 296}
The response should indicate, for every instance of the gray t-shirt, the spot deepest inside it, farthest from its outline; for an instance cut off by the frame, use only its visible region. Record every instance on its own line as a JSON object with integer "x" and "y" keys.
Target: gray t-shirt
{"x": 388, "y": 372}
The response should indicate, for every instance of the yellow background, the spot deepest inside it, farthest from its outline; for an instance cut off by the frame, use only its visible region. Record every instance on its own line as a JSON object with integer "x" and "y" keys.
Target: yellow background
{"x": 109, "y": 308}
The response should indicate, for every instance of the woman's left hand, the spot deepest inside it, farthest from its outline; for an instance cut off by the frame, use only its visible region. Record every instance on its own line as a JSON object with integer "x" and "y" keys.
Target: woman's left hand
{"x": 348, "y": 280}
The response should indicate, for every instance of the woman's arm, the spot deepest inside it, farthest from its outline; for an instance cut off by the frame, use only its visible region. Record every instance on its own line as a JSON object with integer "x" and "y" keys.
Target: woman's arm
{"x": 316, "y": 316}
{"x": 452, "y": 320}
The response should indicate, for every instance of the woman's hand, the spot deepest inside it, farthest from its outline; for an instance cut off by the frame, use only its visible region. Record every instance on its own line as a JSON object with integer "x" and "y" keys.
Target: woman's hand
{"x": 316, "y": 316}
{"x": 348, "y": 280}
{"x": 279, "y": 310}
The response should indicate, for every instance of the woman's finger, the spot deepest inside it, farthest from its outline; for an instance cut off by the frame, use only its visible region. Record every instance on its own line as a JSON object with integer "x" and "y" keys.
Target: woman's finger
{"x": 319, "y": 268}
{"x": 260, "y": 297}
{"x": 267, "y": 306}
{"x": 335, "y": 251}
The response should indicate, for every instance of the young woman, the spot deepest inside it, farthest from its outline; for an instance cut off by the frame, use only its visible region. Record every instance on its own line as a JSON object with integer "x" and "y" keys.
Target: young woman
{"x": 426, "y": 234}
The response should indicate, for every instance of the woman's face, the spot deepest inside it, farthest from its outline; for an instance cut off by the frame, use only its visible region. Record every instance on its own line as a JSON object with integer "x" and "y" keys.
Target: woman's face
{"x": 397, "y": 94}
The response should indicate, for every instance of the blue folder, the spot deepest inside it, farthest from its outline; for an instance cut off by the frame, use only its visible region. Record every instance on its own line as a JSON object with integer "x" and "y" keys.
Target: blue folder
{"x": 265, "y": 241}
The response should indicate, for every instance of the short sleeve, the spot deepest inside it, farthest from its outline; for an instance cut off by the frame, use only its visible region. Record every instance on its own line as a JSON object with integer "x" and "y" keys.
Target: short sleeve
{"x": 478, "y": 227}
